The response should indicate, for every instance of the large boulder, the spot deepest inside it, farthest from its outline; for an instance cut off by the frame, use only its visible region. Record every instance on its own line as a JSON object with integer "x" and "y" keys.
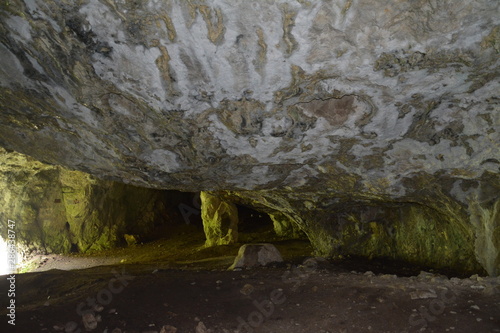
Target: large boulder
{"x": 254, "y": 255}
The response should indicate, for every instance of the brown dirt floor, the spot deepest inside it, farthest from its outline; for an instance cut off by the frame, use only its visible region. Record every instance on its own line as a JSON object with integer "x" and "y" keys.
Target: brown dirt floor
{"x": 177, "y": 282}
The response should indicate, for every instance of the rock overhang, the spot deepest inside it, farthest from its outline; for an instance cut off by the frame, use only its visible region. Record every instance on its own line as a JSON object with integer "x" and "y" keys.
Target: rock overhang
{"x": 325, "y": 103}
{"x": 154, "y": 93}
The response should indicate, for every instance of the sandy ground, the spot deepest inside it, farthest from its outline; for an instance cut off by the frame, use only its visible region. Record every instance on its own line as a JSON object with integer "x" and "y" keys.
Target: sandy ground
{"x": 152, "y": 288}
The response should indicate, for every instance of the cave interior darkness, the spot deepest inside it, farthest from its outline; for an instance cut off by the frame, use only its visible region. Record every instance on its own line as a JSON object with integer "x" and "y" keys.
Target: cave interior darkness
{"x": 221, "y": 166}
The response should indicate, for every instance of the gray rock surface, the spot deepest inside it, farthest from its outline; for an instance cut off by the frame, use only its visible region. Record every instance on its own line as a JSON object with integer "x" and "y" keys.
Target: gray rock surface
{"x": 247, "y": 95}
{"x": 254, "y": 255}
{"x": 56, "y": 210}
{"x": 308, "y": 108}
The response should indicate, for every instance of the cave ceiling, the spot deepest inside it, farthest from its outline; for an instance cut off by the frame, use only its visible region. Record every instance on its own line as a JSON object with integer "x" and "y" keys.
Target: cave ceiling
{"x": 342, "y": 96}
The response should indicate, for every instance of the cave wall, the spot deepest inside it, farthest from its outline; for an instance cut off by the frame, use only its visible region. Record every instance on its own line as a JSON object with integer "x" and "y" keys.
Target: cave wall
{"x": 285, "y": 227}
{"x": 460, "y": 232}
{"x": 306, "y": 108}
{"x": 60, "y": 211}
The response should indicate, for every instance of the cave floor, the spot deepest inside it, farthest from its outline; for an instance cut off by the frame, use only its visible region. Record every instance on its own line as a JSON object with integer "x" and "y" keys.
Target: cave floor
{"x": 145, "y": 288}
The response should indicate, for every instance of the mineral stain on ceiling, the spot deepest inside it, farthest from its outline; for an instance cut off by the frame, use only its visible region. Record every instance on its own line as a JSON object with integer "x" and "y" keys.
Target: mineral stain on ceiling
{"x": 372, "y": 127}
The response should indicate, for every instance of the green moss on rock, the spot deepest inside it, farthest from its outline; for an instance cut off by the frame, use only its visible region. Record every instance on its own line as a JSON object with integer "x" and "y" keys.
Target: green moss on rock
{"x": 59, "y": 211}
{"x": 220, "y": 220}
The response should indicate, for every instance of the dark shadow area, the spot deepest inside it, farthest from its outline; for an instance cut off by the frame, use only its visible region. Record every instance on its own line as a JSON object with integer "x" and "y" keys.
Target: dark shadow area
{"x": 251, "y": 220}
{"x": 391, "y": 266}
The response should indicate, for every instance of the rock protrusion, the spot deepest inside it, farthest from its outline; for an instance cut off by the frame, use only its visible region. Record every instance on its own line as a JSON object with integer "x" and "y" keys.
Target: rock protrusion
{"x": 220, "y": 220}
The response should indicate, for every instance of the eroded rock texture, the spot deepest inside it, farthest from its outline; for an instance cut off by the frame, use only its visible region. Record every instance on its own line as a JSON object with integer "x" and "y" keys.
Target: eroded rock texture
{"x": 60, "y": 211}
{"x": 220, "y": 220}
{"x": 340, "y": 115}
{"x": 253, "y": 255}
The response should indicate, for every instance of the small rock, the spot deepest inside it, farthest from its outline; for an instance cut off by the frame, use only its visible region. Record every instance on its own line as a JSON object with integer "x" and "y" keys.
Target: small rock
{"x": 439, "y": 278}
{"x": 313, "y": 263}
{"x": 478, "y": 286}
{"x": 388, "y": 276}
{"x": 422, "y": 294}
{"x": 201, "y": 328}
{"x": 89, "y": 321}
{"x": 70, "y": 327}
{"x": 130, "y": 239}
{"x": 168, "y": 329}
{"x": 98, "y": 308}
{"x": 247, "y": 289}
{"x": 58, "y": 328}
{"x": 490, "y": 291}
{"x": 424, "y": 275}
{"x": 475, "y": 307}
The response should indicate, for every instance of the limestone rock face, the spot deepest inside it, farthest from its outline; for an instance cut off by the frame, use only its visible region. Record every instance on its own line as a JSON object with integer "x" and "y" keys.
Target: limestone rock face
{"x": 59, "y": 211}
{"x": 220, "y": 220}
{"x": 432, "y": 230}
{"x": 253, "y": 94}
{"x": 308, "y": 108}
{"x": 254, "y": 255}
{"x": 284, "y": 226}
